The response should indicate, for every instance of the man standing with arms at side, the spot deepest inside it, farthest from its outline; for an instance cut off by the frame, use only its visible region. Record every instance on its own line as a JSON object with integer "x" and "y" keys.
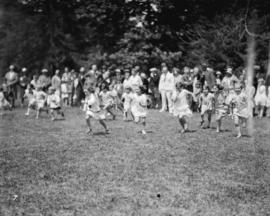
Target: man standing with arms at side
{"x": 166, "y": 87}
{"x": 12, "y": 81}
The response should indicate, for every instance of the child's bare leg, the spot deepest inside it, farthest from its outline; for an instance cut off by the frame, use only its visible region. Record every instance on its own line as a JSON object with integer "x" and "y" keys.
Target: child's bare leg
{"x": 28, "y": 111}
{"x": 218, "y": 125}
{"x": 202, "y": 120}
{"x": 209, "y": 118}
{"x": 261, "y": 112}
{"x": 237, "y": 126}
{"x": 183, "y": 124}
{"x": 102, "y": 122}
{"x": 143, "y": 119}
{"x": 52, "y": 114}
{"x": 37, "y": 113}
{"x": 109, "y": 111}
{"x": 88, "y": 122}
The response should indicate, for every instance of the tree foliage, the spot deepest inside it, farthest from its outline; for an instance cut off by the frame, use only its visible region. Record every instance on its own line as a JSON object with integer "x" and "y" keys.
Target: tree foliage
{"x": 54, "y": 33}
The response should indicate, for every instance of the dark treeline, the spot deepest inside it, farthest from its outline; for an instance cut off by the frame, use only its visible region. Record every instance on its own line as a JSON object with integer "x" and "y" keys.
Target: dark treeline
{"x": 58, "y": 33}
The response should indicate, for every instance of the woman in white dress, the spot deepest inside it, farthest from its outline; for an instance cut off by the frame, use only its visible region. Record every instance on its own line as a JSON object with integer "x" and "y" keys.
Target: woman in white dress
{"x": 260, "y": 98}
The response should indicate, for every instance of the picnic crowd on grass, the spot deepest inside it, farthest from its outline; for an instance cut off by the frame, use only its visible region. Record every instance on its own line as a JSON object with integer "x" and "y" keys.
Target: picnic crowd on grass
{"x": 102, "y": 93}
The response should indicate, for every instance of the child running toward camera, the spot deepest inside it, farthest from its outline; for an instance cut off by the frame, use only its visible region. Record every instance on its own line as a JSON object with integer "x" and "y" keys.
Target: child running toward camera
{"x": 93, "y": 110}
{"x": 139, "y": 108}
{"x": 181, "y": 105}
{"x": 220, "y": 106}
{"x": 30, "y": 96}
{"x": 127, "y": 99}
{"x": 239, "y": 104}
{"x": 54, "y": 104}
{"x": 40, "y": 101}
{"x": 108, "y": 100}
{"x": 206, "y": 102}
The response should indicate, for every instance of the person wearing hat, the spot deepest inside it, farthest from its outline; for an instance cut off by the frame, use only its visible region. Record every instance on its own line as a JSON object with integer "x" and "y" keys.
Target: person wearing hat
{"x": 153, "y": 87}
{"x": 229, "y": 81}
{"x": 54, "y": 103}
{"x": 11, "y": 79}
{"x": 44, "y": 80}
{"x": 23, "y": 82}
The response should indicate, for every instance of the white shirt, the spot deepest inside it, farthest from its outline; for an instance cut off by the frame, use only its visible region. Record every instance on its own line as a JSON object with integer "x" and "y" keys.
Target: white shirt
{"x": 135, "y": 82}
{"x": 166, "y": 82}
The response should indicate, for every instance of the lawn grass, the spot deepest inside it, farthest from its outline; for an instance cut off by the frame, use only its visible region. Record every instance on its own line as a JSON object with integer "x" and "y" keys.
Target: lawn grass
{"x": 54, "y": 168}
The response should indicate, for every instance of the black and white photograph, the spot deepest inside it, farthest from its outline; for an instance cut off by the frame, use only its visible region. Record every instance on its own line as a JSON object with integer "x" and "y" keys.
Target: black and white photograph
{"x": 134, "y": 108}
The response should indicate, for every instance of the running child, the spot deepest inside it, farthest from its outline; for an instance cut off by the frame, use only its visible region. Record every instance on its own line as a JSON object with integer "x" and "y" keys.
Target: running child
{"x": 93, "y": 110}
{"x": 139, "y": 108}
{"x": 54, "y": 104}
{"x": 220, "y": 106}
{"x": 181, "y": 105}
{"x": 30, "y": 96}
{"x": 108, "y": 100}
{"x": 206, "y": 103}
{"x": 127, "y": 99}
{"x": 240, "y": 112}
{"x": 41, "y": 98}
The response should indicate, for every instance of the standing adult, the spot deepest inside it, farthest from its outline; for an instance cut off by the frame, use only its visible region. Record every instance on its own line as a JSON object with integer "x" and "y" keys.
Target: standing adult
{"x": 166, "y": 87}
{"x": 56, "y": 82}
{"x": 153, "y": 87}
{"x": 12, "y": 79}
{"x": 135, "y": 80}
{"x": 23, "y": 82}
{"x": 209, "y": 76}
{"x": 44, "y": 80}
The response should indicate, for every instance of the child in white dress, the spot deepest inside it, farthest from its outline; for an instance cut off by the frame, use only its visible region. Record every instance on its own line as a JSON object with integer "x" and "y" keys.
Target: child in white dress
{"x": 93, "y": 110}
{"x": 181, "y": 106}
{"x": 139, "y": 108}
{"x": 206, "y": 103}
{"x": 30, "y": 96}
{"x": 261, "y": 98}
{"x": 54, "y": 103}
{"x": 220, "y": 106}
{"x": 107, "y": 100}
{"x": 127, "y": 99}
{"x": 239, "y": 105}
{"x": 40, "y": 98}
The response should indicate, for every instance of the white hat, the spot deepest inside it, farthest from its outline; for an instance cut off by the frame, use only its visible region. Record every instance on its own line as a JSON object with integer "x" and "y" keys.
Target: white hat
{"x": 44, "y": 70}
{"x": 218, "y": 72}
{"x": 24, "y": 69}
{"x": 117, "y": 70}
{"x": 152, "y": 69}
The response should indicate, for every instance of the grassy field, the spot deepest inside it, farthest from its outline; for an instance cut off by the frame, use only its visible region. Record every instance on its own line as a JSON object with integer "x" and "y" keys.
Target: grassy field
{"x": 55, "y": 169}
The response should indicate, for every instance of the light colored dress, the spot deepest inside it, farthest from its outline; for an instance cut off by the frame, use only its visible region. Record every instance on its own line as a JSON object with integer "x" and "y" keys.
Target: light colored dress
{"x": 54, "y": 101}
{"x": 181, "y": 105}
{"x": 41, "y": 98}
{"x": 127, "y": 101}
{"x": 92, "y": 107}
{"x": 240, "y": 105}
{"x": 3, "y": 102}
{"x": 135, "y": 82}
{"x": 139, "y": 106}
{"x": 30, "y": 96}
{"x": 261, "y": 97}
{"x": 107, "y": 98}
{"x": 221, "y": 109}
{"x": 207, "y": 102}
